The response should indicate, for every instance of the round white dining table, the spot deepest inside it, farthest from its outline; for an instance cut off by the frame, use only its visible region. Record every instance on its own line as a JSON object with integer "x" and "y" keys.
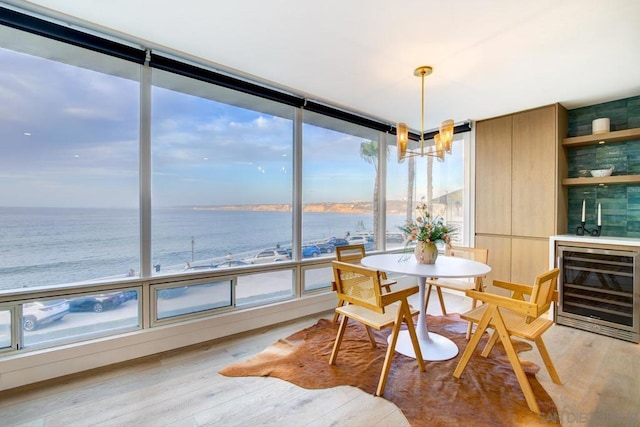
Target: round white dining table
{"x": 434, "y": 347}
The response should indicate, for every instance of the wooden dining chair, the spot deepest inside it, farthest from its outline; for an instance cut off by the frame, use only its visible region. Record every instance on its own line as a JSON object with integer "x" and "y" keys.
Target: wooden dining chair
{"x": 514, "y": 316}
{"x": 353, "y": 254}
{"x": 474, "y": 254}
{"x": 361, "y": 289}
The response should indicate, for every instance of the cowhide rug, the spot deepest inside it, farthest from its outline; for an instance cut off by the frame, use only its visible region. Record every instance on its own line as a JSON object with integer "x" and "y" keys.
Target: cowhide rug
{"x": 487, "y": 394}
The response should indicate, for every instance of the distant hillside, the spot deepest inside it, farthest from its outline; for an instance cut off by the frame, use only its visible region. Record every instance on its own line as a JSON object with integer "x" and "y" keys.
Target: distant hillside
{"x": 393, "y": 207}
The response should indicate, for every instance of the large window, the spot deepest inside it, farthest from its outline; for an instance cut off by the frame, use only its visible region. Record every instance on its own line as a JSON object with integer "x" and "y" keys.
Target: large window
{"x": 442, "y": 186}
{"x": 191, "y": 299}
{"x": 46, "y": 322}
{"x": 222, "y": 178}
{"x": 5, "y": 329}
{"x": 339, "y": 169}
{"x": 68, "y": 163}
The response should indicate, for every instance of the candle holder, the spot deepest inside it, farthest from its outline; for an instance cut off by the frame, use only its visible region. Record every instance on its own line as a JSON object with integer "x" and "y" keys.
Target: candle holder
{"x": 581, "y": 230}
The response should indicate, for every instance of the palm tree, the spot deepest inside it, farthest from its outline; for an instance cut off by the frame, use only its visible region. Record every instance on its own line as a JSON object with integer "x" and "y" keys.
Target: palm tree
{"x": 411, "y": 182}
{"x": 369, "y": 153}
{"x": 430, "y": 183}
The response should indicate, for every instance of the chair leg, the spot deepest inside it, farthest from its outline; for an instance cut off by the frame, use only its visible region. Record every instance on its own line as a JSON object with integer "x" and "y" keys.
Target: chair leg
{"x": 493, "y": 339}
{"x": 547, "y": 361}
{"x": 442, "y": 307}
{"x": 336, "y": 344}
{"x": 404, "y": 314}
{"x": 336, "y": 315}
{"x": 473, "y": 343}
{"x": 389, "y": 355}
{"x": 469, "y": 330}
{"x": 474, "y": 303}
{"x": 371, "y": 339}
{"x": 414, "y": 337}
{"x": 515, "y": 363}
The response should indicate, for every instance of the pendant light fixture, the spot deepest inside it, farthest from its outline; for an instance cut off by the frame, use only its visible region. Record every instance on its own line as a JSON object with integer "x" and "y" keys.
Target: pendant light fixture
{"x": 443, "y": 140}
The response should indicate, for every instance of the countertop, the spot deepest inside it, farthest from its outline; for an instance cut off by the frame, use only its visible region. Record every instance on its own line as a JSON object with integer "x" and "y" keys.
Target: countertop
{"x": 603, "y": 240}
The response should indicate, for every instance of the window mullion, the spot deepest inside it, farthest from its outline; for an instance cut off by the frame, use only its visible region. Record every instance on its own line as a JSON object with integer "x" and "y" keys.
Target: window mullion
{"x": 145, "y": 169}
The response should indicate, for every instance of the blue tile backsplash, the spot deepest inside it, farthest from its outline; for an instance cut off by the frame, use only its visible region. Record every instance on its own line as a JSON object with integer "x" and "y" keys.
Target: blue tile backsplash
{"x": 620, "y": 203}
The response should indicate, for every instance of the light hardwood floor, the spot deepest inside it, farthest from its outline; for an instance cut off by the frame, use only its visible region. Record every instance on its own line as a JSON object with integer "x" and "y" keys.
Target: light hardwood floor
{"x": 601, "y": 387}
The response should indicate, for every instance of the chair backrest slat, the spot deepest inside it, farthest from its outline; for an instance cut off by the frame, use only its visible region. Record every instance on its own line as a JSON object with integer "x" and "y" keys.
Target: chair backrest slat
{"x": 358, "y": 285}
{"x": 352, "y": 253}
{"x": 543, "y": 288}
{"x": 474, "y": 254}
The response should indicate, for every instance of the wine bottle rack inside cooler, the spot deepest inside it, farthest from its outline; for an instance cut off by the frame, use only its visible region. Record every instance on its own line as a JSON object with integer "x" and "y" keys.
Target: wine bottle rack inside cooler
{"x": 599, "y": 291}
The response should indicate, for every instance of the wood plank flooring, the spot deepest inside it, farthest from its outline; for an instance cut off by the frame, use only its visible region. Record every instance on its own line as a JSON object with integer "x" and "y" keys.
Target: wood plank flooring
{"x": 601, "y": 384}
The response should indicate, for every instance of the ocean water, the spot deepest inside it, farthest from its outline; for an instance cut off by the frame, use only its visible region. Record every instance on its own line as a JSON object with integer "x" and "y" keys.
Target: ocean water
{"x": 52, "y": 246}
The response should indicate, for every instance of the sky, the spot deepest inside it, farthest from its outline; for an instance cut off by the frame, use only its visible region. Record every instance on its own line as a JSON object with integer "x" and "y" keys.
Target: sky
{"x": 70, "y": 138}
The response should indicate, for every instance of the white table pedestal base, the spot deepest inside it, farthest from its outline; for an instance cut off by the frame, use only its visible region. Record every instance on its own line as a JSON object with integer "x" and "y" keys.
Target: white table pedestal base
{"x": 434, "y": 348}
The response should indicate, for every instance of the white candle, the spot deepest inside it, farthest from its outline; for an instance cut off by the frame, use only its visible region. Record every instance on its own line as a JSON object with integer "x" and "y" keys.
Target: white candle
{"x": 583, "y": 207}
{"x": 599, "y": 215}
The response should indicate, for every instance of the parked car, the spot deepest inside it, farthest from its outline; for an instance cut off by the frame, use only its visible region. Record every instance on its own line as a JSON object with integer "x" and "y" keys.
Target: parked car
{"x": 231, "y": 263}
{"x": 395, "y": 237}
{"x": 36, "y": 314}
{"x": 97, "y": 303}
{"x": 330, "y": 244}
{"x": 168, "y": 293}
{"x": 129, "y": 295}
{"x": 310, "y": 251}
{"x": 357, "y": 240}
{"x": 270, "y": 255}
{"x": 190, "y": 267}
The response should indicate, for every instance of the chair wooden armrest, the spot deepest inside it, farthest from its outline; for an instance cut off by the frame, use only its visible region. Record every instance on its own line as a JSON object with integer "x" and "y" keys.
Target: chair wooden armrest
{"x": 520, "y": 289}
{"x": 515, "y": 287}
{"x": 399, "y": 294}
{"x": 523, "y": 307}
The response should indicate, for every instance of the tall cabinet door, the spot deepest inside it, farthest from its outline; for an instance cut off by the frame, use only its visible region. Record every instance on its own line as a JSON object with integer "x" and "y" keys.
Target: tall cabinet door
{"x": 493, "y": 171}
{"x": 529, "y": 257}
{"x": 499, "y": 260}
{"x": 533, "y": 173}
{"x": 517, "y": 190}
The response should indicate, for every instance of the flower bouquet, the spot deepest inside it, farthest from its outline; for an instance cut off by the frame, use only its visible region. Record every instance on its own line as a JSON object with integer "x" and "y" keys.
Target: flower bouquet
{"x": 424, "y": 232}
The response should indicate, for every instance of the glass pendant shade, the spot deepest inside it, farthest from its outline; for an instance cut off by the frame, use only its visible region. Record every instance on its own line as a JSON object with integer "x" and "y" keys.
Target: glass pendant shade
{"x": 446, "y": 134}
{"x": 438, "y": 142}
{"x": 402, "y": 139}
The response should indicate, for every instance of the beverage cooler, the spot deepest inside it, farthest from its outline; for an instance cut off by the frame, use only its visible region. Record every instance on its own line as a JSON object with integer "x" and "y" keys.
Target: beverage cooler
{"x": 599, "y": 291}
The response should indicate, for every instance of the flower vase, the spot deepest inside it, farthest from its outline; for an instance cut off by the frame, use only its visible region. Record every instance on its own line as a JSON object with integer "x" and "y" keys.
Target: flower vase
{"x": 426, "y": 252}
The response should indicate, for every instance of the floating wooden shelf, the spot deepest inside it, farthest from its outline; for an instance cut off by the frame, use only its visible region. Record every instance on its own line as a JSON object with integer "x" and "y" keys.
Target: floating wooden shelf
{"x": 618, "y": 179}
{"x": 615, "y": 136}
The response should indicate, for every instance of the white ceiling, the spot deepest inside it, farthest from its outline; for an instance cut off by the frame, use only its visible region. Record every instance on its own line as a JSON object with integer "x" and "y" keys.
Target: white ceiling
{"x": 490, "y": 57}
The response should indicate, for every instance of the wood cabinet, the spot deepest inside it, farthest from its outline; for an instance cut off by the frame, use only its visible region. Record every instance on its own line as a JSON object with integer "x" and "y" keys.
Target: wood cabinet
{"x": 499, "y": 259}
{"x": 529, "y": 257}
{"x": 520, "y": 200}
{"x": 533, "y": 173}
{"x": 493, "y": 163}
